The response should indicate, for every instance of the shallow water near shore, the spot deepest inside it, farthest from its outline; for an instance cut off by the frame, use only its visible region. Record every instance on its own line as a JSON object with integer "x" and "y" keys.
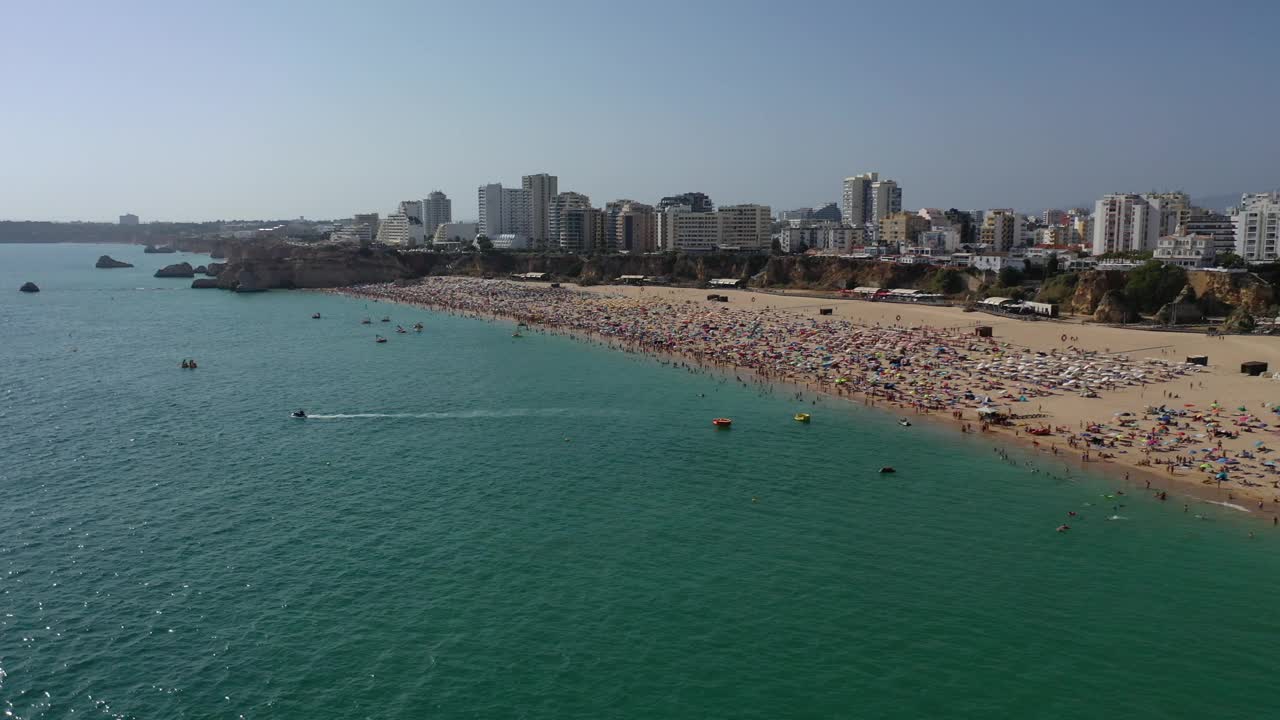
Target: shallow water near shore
{"x": 476, "y": 525}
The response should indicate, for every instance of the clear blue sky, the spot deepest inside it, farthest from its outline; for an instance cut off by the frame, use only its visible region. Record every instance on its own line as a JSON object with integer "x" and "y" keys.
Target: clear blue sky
{"x": 183, "y": 110}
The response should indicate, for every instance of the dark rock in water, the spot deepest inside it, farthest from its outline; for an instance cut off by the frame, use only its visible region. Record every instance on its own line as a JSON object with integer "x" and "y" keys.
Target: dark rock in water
{"x": 29, "y": 287}
{"x": 201, "y": 270}
{"x": 204, "y": 283}
{"x": 161, "y": 249}
{"x": 217, "y": 254}
{"x": 178, "y": 270}
{"x": 106, "y": 261}
{"x": 212, "y": 269}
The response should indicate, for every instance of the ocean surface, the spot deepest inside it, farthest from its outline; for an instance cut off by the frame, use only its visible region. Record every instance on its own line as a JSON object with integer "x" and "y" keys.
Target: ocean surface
{"x": 479, "y": 526}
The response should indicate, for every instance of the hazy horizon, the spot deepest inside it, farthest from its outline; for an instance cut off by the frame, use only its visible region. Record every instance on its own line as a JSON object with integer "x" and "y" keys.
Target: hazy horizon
{"x": 266, "y": 111}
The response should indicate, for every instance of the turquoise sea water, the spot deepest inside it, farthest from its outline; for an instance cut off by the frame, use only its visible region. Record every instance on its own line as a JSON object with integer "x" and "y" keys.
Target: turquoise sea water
{"x": 492, "y": 527}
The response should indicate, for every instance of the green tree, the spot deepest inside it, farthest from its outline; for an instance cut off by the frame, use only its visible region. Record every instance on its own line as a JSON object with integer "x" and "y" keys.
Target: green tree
{"x": 1051, "y": 267}
{"x": 1010, "y": 276}
{"x": 1230, "y": 260}
{"x": 484, "y": 243}
{"x": 1153, "y": 284}
{"x": 947, "y": 281}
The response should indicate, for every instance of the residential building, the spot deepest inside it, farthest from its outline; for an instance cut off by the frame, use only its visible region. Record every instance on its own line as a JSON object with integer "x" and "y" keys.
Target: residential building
{"x": 867, "y": 200}
{"x": 797, "y": 214}
{"x": 1124, "y": 222}
{"x": 636, "y": 229}
{"x": 401, "y": 229}
{"x": 855, "y": 204}
{"x": 1189, "y": 251}
{"x": 995, "y": 262}
{"x": 1177, "y": 204}
{"x": 902, "y": 229}
{"x": 502, "y": 210}
{"x": 939, "y": 241}
{"x": 457, "y": 232}
{"x": 555, "y": 212}
{"x": 1217, "y": 226}
{"x": 798, "y": 238}
{"x": 1000, "y": 229}
{"x": 886, "y": 200}
{"x": 369, "y": 220}
{"x": 356, "y": 232}
{"x": 1057, "y": 235}
{"x": 744, "y": 227}
{"x": 410, "y": 208}
{"x": 680, "y": 228}
{"x": 539, "y": 190}
{"x": 828, "y": 213}
{"x": 1257, "y": 221}
{"x": 1054, "y": 217}
{"x": 128, "y": 219}
{"x": 696, "y": 201}
{"x": 436, "y": 210}
{"x": 581, "y": 226}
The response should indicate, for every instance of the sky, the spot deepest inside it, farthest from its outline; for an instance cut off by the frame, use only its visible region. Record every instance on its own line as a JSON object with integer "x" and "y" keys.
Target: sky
{"x": 269, "y": 109}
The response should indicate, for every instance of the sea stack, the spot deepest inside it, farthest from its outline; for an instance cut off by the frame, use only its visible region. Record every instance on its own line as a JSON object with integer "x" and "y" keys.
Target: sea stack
{"x": 177, "y": 270}
{"x": 29, "y": 287}
{"x": 106, "y": 261}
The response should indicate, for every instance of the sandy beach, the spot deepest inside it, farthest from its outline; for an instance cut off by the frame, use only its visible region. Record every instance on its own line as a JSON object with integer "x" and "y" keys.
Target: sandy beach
{"x": 1118, "y": 400}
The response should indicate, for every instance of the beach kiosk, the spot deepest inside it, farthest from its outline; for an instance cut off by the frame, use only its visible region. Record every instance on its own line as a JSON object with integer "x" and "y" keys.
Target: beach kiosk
{"x": 1253, "y": 368}
{"x": 982, "y": 331}
{"x": 824, "y": 311}
{"x": 726, "y": 282}
{"x": 1198, "y": 360}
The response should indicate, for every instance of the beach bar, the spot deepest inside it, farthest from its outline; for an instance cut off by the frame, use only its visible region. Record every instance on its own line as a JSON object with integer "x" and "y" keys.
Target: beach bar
{"x": 982, "y": 331}
{"x": 1253, "y": 368}
{"x": 1198, "y": 360}
{"x": 824, "y": 311}
{"x": 631, "y": 279}
{"x": 530, "y": 276}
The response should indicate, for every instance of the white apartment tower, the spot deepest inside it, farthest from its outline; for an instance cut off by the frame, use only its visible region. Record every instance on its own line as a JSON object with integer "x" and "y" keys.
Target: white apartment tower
{"x": 1257, "y": 221}
{"x": 502, "y": 210}
{"x": 437, "y": 210}
{"x": 1123, "y": 222}
{"x": 744, "y": 227}
{"x": 867, "y": 200}
{"x": 539, "y": 191}
{"x": 556, "y": 211}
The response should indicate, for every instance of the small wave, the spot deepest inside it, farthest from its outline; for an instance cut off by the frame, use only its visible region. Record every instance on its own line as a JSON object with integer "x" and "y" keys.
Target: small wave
{"x": 464, "y": 414}
{"x": 1117, "y": 517}
{"x": 1233, "y": 506}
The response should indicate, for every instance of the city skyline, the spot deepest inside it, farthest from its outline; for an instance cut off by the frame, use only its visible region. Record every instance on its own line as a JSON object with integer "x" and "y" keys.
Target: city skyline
{"x": 262, "y": 112}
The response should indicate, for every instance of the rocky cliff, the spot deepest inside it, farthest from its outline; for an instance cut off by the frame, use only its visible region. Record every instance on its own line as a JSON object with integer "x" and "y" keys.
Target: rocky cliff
{"x": 1220, "y": 292}
{"x": 1090, "y": 289}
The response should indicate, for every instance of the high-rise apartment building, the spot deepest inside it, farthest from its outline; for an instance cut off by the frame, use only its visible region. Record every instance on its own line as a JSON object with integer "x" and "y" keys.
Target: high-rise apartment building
{"x": 635, "y": 229}
{"x": 410, "y": 208}
{"x": 370, "y": 223}
{"x": 744, "y": 227}
{"x": 1124, "y": 222}
{"x": 437, "y": 209}
{"x": 1000, "y": 229}
{"x": 539, "y": 191}
{"x": 867, "y": 200}
{"x": 827, "y": 213}
{"x": 401, "y": 229}
{"x": 1257, "y": 221}
{"x": 1176, "y": 207}
{"x": 556, "y": 210}
{"x": 502, "y": 210}
{"x": 1054, "y": 217}
{"x": 128, "y": 219}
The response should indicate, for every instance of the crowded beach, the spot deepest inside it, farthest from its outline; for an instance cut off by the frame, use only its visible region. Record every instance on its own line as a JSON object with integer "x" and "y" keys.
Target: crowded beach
{"x": 1052, "y": 395}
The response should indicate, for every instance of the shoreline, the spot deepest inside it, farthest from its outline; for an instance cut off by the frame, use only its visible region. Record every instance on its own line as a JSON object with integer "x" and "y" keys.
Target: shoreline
{"x": 1123, "y": 465}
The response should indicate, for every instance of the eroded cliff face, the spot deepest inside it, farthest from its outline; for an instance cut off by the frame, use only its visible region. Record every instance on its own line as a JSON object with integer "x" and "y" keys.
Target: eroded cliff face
{"x": 290, "y": 266}
{"x": 1218, "y": 292}
{"x": 1090, "y": 289}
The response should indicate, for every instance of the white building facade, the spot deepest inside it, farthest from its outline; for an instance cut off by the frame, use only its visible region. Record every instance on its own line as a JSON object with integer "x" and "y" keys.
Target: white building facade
{"x": 1257, "y": 221}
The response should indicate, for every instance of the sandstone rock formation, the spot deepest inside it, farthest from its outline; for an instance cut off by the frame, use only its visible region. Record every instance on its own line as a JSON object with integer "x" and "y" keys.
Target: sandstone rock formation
{"x": 204, "y": 283}
{"x": 1182, "y": 311}
{"x": 212, "y": 269}
{"x": 106, "y": 261}
{"x": 177, "y": 270}
{"x": 29, "y": 287}
{"x": 201, "y": 270}
{"x": 1115, "y": 309}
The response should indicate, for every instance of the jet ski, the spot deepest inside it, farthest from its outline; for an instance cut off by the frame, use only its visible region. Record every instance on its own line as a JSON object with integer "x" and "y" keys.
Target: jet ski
{"x": 904, "y": 422}
{"x": 300, "y": 414}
